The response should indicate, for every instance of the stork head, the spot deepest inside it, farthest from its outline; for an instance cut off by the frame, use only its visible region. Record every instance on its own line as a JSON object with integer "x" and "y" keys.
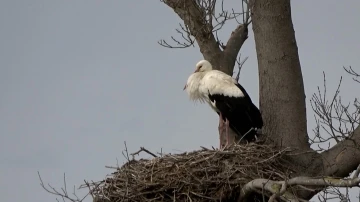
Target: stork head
{"x": 203, "y": 66}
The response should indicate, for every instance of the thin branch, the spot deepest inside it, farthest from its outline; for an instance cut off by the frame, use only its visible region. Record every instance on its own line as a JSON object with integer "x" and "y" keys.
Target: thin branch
{"x": 333, "y": 117}
{"x": 240, "y": 65}
{"x": 142, "y": 149}
{"x": 64, "y": 193}
{"x": 352, "y": 72}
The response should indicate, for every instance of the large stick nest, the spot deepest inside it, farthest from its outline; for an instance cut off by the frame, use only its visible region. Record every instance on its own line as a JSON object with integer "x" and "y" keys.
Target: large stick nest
{"x": 204, "y": 175}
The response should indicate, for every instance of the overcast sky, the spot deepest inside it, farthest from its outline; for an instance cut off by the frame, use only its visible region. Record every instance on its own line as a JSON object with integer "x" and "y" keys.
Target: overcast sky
{"x": 80, "y": 77}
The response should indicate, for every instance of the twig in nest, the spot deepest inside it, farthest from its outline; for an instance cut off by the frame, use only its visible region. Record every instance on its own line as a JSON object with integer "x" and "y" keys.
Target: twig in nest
{"x": 144, "y": 150}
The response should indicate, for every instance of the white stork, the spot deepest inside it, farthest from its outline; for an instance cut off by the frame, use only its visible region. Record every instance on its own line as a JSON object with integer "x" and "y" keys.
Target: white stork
{"x": 226, "y": 97}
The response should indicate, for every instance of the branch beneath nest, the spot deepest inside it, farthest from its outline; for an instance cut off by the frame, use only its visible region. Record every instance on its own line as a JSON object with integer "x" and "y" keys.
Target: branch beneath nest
{"x": 279, "y": 189}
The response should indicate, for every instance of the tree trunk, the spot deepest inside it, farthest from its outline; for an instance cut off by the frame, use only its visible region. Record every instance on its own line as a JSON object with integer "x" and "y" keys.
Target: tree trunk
{"x": 282, "y": 96}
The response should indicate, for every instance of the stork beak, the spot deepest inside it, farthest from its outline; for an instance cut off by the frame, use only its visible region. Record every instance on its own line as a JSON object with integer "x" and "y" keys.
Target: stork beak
{"x": 184, "y": 87}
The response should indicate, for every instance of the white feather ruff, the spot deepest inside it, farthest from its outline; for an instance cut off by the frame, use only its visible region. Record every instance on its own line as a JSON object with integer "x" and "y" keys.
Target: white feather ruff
{"x": 192, "y": 87}
{"x": 217, "y": 82}
{"x": 201, "y": 83}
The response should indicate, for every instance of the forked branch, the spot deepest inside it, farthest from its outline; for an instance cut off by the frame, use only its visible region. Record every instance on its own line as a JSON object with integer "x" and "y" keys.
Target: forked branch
{"x": 201, "y": 16}
{"x": 240, "y": 64}
{"x": 352, "y": 72}
{"x": 202, "y": 20}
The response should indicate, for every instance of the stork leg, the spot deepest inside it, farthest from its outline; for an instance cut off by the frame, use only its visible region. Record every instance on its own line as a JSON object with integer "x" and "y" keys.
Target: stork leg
{"x": 221, "y": 129}
{"x": 227, "y": 131}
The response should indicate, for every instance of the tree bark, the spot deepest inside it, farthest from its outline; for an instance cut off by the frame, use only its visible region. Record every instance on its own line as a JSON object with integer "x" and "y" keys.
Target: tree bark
{"x": 282, "y": 96}
{"x": 344, "y": 157}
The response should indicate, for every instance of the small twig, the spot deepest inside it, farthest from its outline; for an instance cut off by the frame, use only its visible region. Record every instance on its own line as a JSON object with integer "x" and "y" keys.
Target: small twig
{"x": 144, "y": 150}
{"x": 126, "y": 154}
{"x": 240, "y": 65}
{"x": 64, "y": 195}
{"x": 204, "y": 148}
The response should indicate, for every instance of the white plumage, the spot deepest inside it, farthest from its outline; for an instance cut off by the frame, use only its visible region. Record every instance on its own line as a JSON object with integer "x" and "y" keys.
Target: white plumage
{"x": 217, "y": 82}
{"x": 227, "y": 97}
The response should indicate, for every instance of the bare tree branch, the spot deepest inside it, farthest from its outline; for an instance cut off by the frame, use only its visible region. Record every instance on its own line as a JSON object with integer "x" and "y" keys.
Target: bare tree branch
{"x": 235, "y": 42}
{"x": 280, "y": 188}
{"x": 63, "y": 193}
{"x": 186, "y": 36}
{"x": 194, "y": 14}
{"x": 333, "y": 117}
{"x": 239, "y": 35}
{"x": 201, "y": 21}
{"x": 352, "y": 72}
{"x": 342, "y": 126}
{"x": 344, "y": 157}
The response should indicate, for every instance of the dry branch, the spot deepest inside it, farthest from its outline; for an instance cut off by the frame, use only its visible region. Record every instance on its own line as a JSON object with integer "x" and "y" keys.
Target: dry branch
{"x": 352, "y": 72}
{"x": 194, "y": 16}
{"x": 344, "y": 157}
{"x": 63, "y": 194}
{"x": 279, "y": 188}
{"x": 144, "y": 150}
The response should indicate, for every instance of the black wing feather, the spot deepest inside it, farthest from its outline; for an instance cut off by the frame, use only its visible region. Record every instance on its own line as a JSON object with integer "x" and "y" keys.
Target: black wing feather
{"x": 240, "y": 111}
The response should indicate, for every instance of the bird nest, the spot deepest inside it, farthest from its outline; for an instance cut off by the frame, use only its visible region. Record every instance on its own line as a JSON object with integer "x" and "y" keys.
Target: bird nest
{"x": 203, "y": 175}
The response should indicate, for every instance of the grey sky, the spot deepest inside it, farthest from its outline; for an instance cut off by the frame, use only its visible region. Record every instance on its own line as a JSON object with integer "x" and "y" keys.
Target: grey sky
{"x": 78, "y": 78}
